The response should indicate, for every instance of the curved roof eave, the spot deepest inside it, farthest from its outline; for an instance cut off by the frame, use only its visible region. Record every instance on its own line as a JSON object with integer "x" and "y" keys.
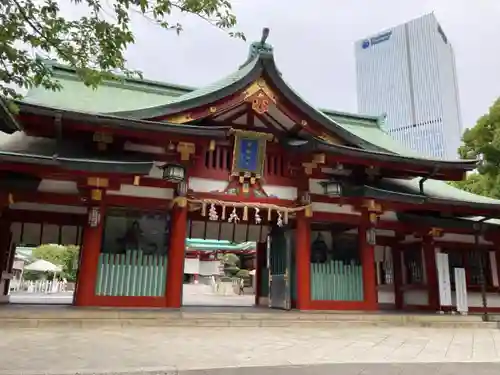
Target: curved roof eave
{"x": 320, "y": 145}
{"x": 124, "y": 122}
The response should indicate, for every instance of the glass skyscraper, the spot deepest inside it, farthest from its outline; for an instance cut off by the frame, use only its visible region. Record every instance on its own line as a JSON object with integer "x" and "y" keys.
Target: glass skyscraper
{"x": 408, "y": 73}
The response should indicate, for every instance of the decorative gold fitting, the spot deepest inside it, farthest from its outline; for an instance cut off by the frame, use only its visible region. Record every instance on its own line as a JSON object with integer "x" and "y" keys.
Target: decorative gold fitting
{"x": 211, "y": 145}
{"x": 186, "y": 149}
{"x": 319, "y": 158}
{"x": 96, "y": 194}
{"x": 435, "y": 232}
{"x": 98, "y": 182}
{"x": 137, "y": 180}
{"x": 179, "y": 201}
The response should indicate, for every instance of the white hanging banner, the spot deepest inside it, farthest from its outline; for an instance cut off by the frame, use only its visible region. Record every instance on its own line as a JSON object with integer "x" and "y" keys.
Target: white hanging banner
{"x": 461, "y": 291}
{"x": 494, "y": 269}
{"x": 443, "y": 271}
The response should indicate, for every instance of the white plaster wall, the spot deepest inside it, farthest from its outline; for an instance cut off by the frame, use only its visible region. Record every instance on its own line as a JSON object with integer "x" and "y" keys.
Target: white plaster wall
{"x": 206, "y": 185}
{"x": 464, "y": 238}
{"x": 386, "y": 295}
{"x": 208, "y": 268}
{"x": 48, "y": 208}
{"x": 474, "y": 299}
{"x": 143, "y": 192}
{"x": 57, "y": 186}
{"x": 389, "y": 216}
{"x": 415, "y": 297}
{"x": 191, "y": 266}
{"x": 282, "y": 192}
{"x": 334, "y": 208}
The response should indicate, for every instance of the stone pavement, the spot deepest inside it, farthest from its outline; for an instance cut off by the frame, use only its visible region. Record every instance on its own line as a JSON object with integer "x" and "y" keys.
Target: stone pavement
{"x": 137, "y": 350}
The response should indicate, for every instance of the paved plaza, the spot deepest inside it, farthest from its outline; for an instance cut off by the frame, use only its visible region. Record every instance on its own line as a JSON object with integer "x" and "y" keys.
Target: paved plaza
{"x": 148, "y": 350}
{"x": 193, "y": 295}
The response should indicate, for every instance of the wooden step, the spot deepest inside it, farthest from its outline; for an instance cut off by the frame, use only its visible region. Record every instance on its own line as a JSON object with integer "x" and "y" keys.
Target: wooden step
{"x": 34, "y": 316}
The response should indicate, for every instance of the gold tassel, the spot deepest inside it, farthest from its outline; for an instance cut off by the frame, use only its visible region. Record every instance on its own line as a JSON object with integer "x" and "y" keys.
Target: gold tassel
{"x": 203, "y": 209}
{"x": 223, "y": 216}
{"x": 285, "y": 217}
{"x": 11, "y": 198}
{"x": 245, "y": 213}
{"x": 308, "y": 211}
{"x": 269, "y": 213}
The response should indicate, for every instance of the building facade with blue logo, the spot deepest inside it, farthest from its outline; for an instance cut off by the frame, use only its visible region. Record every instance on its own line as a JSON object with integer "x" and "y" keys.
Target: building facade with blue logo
{"x": 408, "y": 73}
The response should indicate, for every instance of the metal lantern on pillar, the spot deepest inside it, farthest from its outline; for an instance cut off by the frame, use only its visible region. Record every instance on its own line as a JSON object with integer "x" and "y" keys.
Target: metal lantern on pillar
{"x": 182, "y": 189}
{"x": 94, "y": 217}
{"x": 333, "y": 188}
{"x": 173, "y": 172}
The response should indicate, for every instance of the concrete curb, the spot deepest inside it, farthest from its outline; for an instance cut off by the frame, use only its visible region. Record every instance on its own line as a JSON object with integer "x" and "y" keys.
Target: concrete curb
{"x": 458, "y": 368}
{"x": 96, "y": 318}
{"x": 251, "y": 323}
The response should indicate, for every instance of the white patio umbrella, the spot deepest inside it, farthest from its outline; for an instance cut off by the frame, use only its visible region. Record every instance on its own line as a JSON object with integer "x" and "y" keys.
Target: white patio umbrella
{"x": 43, "y": 266}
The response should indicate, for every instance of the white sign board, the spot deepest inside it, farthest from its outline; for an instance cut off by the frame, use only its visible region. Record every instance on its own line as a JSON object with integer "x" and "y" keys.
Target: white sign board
{"x": 461, "y": 291}
{"x": 443, "y": 271}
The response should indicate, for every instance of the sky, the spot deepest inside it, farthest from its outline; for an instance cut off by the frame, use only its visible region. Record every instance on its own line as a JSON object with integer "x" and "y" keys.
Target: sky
{"x": 313, "y": 44}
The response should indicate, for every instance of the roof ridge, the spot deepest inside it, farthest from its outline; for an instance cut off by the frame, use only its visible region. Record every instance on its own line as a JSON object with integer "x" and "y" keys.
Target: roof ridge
{"x": 55, "y": 66}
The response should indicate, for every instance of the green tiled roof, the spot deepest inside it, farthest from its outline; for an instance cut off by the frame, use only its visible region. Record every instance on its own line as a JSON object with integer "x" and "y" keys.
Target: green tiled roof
{"x": 368, "y": 127}
{"x": 157, "y": 109}
{"x": 440, "y": 190}
{"x": 109, "y": 97}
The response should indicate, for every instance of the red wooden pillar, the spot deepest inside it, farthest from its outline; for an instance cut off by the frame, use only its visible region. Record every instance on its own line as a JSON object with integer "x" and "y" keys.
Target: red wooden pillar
{"x": 367, "y": 253}
{"x": 431, "y": 272}
{"x": 397, "y": 276}
{"x": 176, "y": 251}
{"x": 303, "y": 261}
{"x": 87, "y": 273}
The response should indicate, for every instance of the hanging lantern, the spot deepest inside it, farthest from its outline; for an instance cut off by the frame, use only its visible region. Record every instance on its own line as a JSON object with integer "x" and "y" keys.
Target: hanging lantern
{"x": 333, "y": 188}
{"x": 371, "y": 237}
{"x": 173, "y": 172}
{"x": 94, "y": 217}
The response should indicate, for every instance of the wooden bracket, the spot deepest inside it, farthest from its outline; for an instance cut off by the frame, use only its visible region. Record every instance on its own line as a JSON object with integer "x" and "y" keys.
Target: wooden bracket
{"x": 372, "y": 206}
{"x": 308, "y": 167}
{"x": 98, "y": 182}
{"x": 103, "y": 139}
{"x": 186, "y": 149}
{"x": 319, "y": 158}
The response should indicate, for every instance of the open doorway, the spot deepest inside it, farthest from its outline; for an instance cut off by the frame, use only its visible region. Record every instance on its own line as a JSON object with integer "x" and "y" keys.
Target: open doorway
{"x": 220, "y": 262}
{"x": 44, "y": 267}
{"x": 219, "y": 273}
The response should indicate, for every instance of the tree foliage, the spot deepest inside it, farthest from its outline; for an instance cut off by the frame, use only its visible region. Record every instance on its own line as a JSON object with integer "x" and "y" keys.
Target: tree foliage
{"x": 93, "y": 44}
{"x": 483, "y": 142}
{"x": 63, "y": 256}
